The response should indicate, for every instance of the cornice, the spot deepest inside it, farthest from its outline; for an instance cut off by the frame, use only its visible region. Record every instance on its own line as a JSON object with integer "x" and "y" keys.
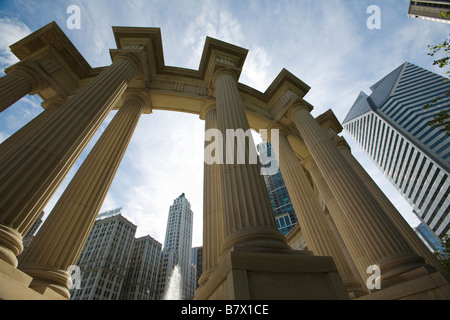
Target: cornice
{"x": 52, "y": 35}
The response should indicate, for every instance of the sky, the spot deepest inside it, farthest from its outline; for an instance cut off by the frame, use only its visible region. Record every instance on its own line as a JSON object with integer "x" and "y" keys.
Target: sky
{"x": 338, "y": 47}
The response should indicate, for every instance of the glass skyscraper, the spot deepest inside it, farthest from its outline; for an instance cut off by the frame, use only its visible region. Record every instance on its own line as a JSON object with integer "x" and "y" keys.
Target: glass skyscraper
{"x": 279, "y": 197}
{"x": 392, "y": 126}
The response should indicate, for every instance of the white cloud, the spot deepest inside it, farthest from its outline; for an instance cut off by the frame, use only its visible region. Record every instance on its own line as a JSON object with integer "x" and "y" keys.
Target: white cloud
{"x": 255, "y": 71}
{"x": 215, "y": 22}
{"x": 12, "y": 31}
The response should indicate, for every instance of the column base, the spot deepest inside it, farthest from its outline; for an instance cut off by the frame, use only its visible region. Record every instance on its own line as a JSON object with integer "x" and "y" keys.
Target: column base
{"x": 10, "y": 245}
{"x": 422, "y": 286}
{"x": 204, "y": 277}
{"x": 15, "y": 285}
{"x": 48, "y": 278}
{"x": 248, "y": 273}
{"x": 355, "y": 289}
{"x": 397, "y": 268}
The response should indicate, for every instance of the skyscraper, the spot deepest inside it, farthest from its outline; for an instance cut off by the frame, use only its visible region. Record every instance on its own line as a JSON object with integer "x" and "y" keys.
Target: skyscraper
{"x": 143, "y": 268}
{"x": 279, "y": 197}
{"x": 428, "y": 238}
{"x": 430, "y": 10}
{"x": 197, "y": 262}
{"x": 177, "y": 248}
{"x": 392, "y": 127}
{"x": 104, "y": 259}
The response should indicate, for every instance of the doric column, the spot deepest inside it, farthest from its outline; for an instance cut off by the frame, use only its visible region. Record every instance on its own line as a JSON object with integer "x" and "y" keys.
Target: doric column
{"x": 316, "y": 230}
{"x": 248, "y": 215}
{"x": 59, "y": 242}
{"x": 375, "y": 240}
{"x": 28, "y": 173}
{"x": 392, "y": 212}
{"x": 15, "y": 85}
{"x": 213, "y": 232}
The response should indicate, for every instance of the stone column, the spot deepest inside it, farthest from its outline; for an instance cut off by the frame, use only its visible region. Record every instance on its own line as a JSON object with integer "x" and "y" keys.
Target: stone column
{"x": 316, "y": 230}
{"x": 28, "y": 173}
{"x": 402, "y": 225}
{"x": 15, "y": 85}
{"x": 21, "y": 136}
{"x": 61, "y": 239}
{"x": 335, "y": 211}
{"x": 374, "y": 240}
{"x": 213, "y": 233}
{"x": 27, "y": 131}
{"x": 249, "y": 219}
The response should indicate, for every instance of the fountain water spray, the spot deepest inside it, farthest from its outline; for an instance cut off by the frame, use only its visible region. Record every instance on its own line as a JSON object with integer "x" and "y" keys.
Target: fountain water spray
{"x": 173, "y": 289}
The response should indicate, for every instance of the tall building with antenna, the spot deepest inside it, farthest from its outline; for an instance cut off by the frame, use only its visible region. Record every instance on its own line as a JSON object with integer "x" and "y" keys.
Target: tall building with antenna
{"x": 177, "y": 248}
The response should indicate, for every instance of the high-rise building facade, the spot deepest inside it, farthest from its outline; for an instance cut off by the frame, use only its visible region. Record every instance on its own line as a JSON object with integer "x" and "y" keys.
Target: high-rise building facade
{"x": 104, "y": 259}
{"x": 143, "y": 268}
{"x": 392, "y": 127}
{"x": 197, "y": 262}
{"x": 177, "y": 248}
{"x": 279, "y": 197}
{"x": 429, "y": 238}
{"x": 430, "y": 10}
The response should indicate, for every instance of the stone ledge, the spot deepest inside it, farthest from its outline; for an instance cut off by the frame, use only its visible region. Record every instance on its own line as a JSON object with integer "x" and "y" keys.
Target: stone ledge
{"x": 257, "y": 275}
{"x": 15, "y": 286}
{"x": 432, "y": 286}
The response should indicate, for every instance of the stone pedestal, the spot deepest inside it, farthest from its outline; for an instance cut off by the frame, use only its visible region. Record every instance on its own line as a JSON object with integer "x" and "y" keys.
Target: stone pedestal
{"x": 416, "y": 285}
{"x": 248, "y": 273}
{"x": 15, "y": 286}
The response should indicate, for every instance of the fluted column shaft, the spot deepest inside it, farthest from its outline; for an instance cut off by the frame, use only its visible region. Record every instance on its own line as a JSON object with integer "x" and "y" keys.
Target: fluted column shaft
{"x": 318, "y": 234}
{"x": 25, "y": 133}
{"x": 13, "y": 87}
{"x": 396, "y": 218}
{"x": 375, "y": 240}
{"x": 335, "y": 211}
{"x": 248, "y": 215}
{"x": 16, "y": 140}
{"x": 213, "y": 233}
{"x": 28, "y": 173}
{"x": 61, "y": 239}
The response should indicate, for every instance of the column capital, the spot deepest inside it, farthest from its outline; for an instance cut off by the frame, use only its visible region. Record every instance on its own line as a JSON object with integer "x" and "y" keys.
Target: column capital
{"x": 282, "y": 128}
{"x": 341, "y": 143}
{"x": 53, "y": 102}
{"x": 207, "y": 107}
{"x": 32, "y": 76}
{"x": 297, "y": 105}
{"x": 224, "y": 70}
{"x": 141, "y": 97}
{"x": 137, "y": 55}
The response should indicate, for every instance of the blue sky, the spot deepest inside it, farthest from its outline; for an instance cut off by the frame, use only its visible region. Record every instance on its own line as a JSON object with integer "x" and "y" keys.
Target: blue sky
{"x": 326, "y": 43}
